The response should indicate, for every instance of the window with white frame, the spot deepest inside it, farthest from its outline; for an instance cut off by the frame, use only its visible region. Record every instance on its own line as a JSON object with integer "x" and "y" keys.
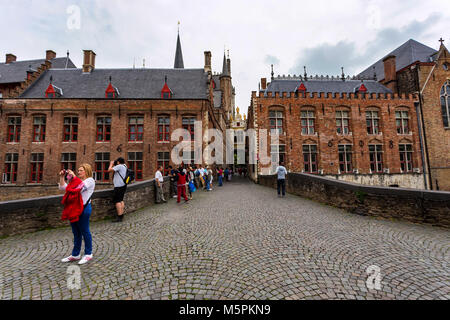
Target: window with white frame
{"x": 307, "y": 122}
{"x": 402, "y": 122}
{"x": 373, "y": 122}
{"x": 406, "y": 162}
{"x": 376, "y": 158}
{"x": 276, "y": 122}
{"x": 343, "y": 122}
{"x": 345, "y": 158}
{"x": 310, "y": 158}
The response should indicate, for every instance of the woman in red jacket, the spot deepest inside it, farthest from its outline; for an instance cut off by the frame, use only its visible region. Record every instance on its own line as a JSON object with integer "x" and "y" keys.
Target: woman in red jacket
{"x": 79, "y": 222}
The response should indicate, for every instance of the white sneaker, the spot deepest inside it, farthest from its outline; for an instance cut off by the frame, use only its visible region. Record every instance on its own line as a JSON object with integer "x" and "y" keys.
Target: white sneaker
{"x": 85, "y": 259}
{"x": 70, "y": 259}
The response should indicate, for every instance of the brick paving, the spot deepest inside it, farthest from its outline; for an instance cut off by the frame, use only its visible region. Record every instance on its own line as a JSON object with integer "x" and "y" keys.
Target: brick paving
{"x": 236, "y": 242}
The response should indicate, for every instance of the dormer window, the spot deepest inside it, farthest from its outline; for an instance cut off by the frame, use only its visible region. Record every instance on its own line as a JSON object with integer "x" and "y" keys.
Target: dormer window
{"x": 300, "y": 89}
{"x": 111, "y": 91}
{"x": 166, "y": 93}
{"x": 53, "y": 91}
{"x": 362, "y": 88}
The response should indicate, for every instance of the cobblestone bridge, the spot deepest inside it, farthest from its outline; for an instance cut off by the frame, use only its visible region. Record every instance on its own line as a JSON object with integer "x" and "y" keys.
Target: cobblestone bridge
{"x": 236, "y": 242}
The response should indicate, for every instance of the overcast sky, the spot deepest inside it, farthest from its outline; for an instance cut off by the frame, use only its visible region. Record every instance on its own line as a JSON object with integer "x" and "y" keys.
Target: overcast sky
{"x": 323, "y": 35}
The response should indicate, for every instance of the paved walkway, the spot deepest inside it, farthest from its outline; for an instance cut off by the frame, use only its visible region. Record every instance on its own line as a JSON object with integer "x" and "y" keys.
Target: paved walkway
{"x": 236, "y": 242}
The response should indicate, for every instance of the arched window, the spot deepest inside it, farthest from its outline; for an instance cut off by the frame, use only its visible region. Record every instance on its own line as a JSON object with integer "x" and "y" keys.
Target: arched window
{"x": 445, "y": 103}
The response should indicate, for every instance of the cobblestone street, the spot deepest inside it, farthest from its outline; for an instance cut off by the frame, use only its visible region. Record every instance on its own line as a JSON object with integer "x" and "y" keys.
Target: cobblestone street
{"x": 236, "y": 242}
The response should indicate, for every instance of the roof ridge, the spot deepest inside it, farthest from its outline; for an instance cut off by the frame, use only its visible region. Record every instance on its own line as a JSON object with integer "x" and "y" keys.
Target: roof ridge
{"x": 136, "y": 69}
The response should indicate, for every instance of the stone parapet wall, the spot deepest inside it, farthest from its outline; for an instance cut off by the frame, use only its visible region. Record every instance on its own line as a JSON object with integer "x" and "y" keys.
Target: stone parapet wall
{"x": 402, "y": 180}
{"x": 29, "y": 215}
{"x": 9, "y": 192}
{"x": 418, "y": 206}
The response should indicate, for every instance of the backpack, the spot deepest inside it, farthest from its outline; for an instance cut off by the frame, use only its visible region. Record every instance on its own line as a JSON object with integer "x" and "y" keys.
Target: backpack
{"x": 197, "y": 173}
{"x": 129, "y": 176}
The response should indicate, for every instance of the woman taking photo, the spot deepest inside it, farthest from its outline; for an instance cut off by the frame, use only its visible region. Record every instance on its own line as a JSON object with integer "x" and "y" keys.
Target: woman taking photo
{"x": 80, "y": 228}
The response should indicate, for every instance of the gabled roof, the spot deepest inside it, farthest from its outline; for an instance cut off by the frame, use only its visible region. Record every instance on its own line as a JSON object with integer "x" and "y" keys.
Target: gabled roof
{"x": 132, "y": 83}
{"x": 339, "y": 86}
{"x": 408, "y": 53}
{"x": 16, "y": 71}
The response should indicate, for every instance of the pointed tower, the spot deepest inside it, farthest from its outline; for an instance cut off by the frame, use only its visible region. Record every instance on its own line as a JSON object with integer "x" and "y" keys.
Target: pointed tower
{"x": 226, "y": 88}
{"x": 178, "y": 54}
{"x": 225, "y": 70}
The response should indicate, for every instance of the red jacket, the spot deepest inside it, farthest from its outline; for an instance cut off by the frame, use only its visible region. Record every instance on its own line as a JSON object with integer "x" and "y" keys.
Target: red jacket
{"x": 181, "y": 179}
{"x": 72, "y": 201}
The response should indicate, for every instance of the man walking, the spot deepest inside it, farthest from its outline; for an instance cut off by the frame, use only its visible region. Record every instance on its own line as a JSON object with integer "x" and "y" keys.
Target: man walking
{"x": 281, "y": 181}
{"x": 119, "y": 169}
{"x": 159, "y": 180}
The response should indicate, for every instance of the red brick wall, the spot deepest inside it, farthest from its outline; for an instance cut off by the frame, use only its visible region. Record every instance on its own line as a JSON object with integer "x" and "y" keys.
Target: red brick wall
{"x": 438, "y": 137}
{"x": 86, "y": 146}
{"x": 325, "y": 121}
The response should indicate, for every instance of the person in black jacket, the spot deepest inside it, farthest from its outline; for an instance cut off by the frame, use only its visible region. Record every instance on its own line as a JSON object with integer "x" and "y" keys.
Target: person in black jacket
{"x": 174, "y": 180}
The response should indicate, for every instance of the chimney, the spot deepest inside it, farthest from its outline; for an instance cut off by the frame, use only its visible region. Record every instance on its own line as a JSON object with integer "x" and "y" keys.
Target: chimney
{"x": 89, "y": 61}
{"x": 10, "y": 58}
{"x": 50, "y": 54}
{"x": 208, "y": 61}
{"x": 263, "y": 83}
{"x": 390, "y": 73}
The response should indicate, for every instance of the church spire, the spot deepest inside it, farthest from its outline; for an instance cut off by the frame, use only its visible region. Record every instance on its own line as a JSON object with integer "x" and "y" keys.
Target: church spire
{"x": 178, "y": 53}
{"x": 225, "y": 66}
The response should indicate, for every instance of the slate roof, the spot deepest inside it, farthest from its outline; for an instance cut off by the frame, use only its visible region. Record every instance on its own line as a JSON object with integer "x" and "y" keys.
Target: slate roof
{"x": 313, "y": 85}
{"x": 131, "y": 83}
{"x": 408, "y": 53}
{"x": 17, "y": 71}
{"x": 178, "y": 55}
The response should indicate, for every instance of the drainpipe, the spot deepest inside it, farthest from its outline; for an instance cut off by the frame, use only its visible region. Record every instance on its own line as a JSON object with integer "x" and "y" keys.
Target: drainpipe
{"x": 422, "y": 119}
{"x": 421, "y": 144}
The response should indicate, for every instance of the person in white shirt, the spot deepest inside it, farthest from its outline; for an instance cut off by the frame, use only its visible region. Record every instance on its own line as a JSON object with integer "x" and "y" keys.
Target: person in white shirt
{"x": 80, "y": 228}
{"x": 119, "y": 169}
{"x": 159, "y": 185}
{"x": 281, "y": 179}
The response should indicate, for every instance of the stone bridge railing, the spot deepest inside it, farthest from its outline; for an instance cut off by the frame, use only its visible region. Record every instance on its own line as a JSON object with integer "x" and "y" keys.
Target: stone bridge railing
{"x": 28, "y": 215}
{"x": 418, "y": 206}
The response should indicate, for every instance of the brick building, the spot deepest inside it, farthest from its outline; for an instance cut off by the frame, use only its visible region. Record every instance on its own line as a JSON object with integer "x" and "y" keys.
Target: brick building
{"x": 70, "y": 116}
{"x": 17, "y": 75}
{"x": 416, "y": 68}
{"x": 350, "y": 129}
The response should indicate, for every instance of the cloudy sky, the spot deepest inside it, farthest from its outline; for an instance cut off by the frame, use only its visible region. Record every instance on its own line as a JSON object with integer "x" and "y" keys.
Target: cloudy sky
{"x": 323, "y": 35}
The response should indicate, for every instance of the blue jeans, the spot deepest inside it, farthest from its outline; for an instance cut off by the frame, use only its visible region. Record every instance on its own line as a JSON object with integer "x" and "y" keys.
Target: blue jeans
{"x": 207, "y": 184}
{"x": 220, "y": 181}
{"x": 81, "y": 230}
